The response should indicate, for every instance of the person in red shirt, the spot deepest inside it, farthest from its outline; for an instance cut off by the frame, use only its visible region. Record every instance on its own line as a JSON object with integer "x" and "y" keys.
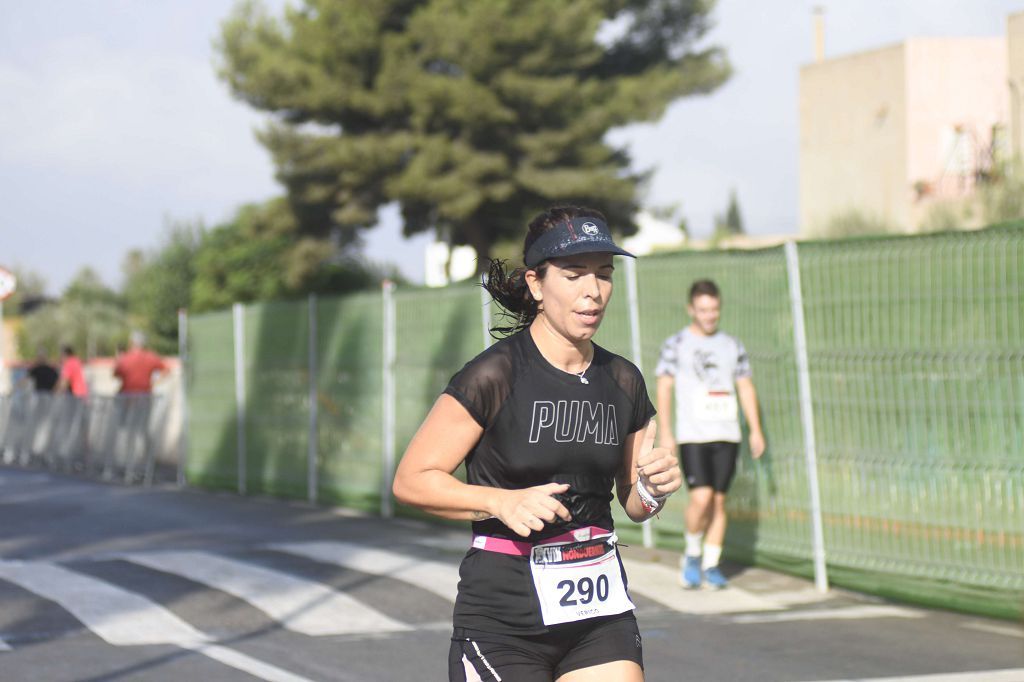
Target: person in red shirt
{"x": 72, "y": 377}
{"x": 136, "y": 367}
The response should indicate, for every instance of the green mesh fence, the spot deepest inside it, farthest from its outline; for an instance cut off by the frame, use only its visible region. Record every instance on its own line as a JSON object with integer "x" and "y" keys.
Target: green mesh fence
{"x": 210, "y": 381}
{"x": 350, "y": 333}
{"x": 437, "y": 331}
{"x": 769, "y": 502}
{"x": 916, "y": 367}
{"x": 916, "y": 356}
{"x": 277, "y": 398}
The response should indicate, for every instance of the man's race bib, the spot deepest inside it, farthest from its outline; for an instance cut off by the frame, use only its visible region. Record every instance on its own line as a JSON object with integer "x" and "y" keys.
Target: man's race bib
{"x": 714, "y": 406}
{"x": 578, "y": 580}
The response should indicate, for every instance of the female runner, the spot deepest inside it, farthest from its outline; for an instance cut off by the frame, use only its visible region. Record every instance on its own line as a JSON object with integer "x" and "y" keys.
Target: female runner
{"x": 545, "y": 421}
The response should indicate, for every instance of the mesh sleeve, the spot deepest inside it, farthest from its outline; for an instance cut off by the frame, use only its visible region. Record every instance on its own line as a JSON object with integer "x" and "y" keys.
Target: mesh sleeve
{"x": 743, "y": 370}
{"x": 483, "y": 385}
{"x": 631, "y": 381}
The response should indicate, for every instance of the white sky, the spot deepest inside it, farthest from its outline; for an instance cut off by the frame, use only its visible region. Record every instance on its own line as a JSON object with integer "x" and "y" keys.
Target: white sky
{"x": 112, "y": 122}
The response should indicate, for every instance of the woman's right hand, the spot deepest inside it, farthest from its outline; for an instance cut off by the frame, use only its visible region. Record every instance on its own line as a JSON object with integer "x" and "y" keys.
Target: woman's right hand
{"x": 527, "y": 510}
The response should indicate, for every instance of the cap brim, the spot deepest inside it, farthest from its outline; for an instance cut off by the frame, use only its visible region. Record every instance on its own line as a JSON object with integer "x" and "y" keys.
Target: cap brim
{"x": 584, "y": 247}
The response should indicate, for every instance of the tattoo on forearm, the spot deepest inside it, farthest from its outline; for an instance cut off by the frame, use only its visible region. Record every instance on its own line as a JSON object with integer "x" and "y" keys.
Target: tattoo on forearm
{"x": 479, "y": 515}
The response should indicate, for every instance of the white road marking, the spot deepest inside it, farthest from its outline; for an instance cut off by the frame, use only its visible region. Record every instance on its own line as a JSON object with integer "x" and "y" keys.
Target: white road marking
{"x": 437, "y": 577}
{"x": 1014, "y": 675}
{"x": 4, "y": 646}
{"x": 240, "y": 661}
{"x": 844, "y": 613}
{"x": 1008, "y": 630}
{"x": 119, "y": 617}
{"x": 300, "y": 605}
{"x": 123, "y": 618}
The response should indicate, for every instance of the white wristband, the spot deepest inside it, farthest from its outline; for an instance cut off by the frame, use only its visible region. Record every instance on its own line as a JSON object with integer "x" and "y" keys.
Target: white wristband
{"x": 650, "y": 503}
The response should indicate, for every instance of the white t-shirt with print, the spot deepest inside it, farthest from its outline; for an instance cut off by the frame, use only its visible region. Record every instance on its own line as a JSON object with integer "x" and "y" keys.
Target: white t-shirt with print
{"x": 705, "y": 369}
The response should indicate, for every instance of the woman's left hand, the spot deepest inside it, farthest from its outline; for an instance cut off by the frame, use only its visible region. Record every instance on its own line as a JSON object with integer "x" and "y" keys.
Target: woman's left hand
{"x": 658, "y": 468}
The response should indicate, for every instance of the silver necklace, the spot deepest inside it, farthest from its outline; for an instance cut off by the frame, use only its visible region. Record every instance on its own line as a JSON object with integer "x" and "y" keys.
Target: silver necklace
{"x": 583, "y": 379}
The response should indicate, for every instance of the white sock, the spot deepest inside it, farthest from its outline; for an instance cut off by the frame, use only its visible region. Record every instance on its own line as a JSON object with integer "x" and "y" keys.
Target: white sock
{"x": 712, "y": 555}
{"x": 693, "y": 543}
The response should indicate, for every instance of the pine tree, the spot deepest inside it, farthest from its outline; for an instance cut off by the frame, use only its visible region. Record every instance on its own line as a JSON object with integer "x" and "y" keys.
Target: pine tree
{"x": 471, "y": 115}
{"x": 733, "y": 219}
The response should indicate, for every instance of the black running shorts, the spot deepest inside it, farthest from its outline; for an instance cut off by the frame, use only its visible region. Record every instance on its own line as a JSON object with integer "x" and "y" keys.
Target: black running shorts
{"x": 709, "y": 464}
{"x": 482, "y": 657}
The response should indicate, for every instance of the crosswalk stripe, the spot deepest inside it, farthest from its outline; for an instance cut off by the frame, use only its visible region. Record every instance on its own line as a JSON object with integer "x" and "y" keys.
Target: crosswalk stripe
{"x": 440, "y": 578}
{"x": 300, "y": 605}
{"x": 124, "y": 618}
{"x": 240, "y": 661}
{"x": 119, "y": 617}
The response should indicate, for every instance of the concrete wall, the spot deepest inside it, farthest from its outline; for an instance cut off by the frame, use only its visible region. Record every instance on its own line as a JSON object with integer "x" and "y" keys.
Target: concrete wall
{"x": 1015, "y": 78}
{"x": 891, "y": 132}
{"x": 853, "y": 138}
{"x": 956, "y": 93}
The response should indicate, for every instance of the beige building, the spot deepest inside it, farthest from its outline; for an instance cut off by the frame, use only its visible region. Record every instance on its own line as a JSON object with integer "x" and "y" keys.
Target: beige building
{"x": 889, "y": 133}
{"x": 1015, "y": 79}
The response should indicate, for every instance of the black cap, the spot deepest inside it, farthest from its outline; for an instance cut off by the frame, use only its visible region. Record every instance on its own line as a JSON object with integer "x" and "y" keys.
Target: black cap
{"x": 583, "y": 234}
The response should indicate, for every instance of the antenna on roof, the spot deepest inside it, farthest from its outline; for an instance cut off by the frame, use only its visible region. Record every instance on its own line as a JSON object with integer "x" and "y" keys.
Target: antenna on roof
{"x": 819, "y": 33}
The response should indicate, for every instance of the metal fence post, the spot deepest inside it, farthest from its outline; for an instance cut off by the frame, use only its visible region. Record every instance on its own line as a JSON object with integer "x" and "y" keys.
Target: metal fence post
{"x": 311, "y": 465}
{"x": 806, "y": 413}
{"x": 183, "y": 387}
{"x": 238, "y": 314}
{"x": 388, "y": 464}
{"x": 633, "y": 307}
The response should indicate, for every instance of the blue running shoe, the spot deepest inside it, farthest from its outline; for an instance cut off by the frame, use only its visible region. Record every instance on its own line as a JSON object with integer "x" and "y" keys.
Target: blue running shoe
{"x": 691, "y": 573}
{"x": 715, "y": 578}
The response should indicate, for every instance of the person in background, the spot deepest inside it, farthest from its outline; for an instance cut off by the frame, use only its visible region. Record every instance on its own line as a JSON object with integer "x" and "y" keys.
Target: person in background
{"x": 42, "y": 374}
{"x": 136, "y": 367}
{"x": 705, "y": 369}
{"x": 72, "y": 376}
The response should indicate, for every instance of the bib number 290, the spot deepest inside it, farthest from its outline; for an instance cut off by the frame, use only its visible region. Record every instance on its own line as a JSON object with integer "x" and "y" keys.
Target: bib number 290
{"x": 586, "y": 589}
{"x": 578, "y": 580}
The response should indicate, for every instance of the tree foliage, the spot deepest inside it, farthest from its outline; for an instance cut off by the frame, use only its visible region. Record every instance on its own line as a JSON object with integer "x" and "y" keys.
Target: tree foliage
{"x": 730, "y": 224}
{"x": 733, "y": 219}
{"x": 471, "y": 115}
{"x": 159, "y": 283}
{"x": 1002, "y": 198}
{"x": 261, "y": 255}
{"x": 855, "y": 223}
{"x": 90, "y": 316}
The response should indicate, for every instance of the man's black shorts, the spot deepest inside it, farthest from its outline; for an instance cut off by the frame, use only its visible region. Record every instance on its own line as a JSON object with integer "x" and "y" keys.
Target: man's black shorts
{"x": 709, "y": 464}
{"x": 541, "y": 658}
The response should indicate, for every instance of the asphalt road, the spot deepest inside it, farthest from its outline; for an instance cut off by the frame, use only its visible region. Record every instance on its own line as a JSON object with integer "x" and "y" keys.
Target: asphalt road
{"x": 103, "y": 582}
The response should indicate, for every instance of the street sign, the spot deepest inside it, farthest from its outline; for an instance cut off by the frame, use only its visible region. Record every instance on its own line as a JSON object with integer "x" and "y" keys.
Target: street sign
{"x": 8, "y": 282}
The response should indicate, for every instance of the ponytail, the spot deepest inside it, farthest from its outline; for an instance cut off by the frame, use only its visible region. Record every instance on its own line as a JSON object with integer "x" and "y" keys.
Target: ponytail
{"x": 510, "y": 292}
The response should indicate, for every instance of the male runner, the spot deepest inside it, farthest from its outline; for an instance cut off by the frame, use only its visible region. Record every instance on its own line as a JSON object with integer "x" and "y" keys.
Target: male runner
{"x": 705, "y": 369}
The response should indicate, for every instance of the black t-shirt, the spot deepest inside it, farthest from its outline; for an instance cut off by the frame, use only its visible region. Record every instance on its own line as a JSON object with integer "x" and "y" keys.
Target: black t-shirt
{"x": 43, "y": 376}
{"x": 541, "y": 425}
